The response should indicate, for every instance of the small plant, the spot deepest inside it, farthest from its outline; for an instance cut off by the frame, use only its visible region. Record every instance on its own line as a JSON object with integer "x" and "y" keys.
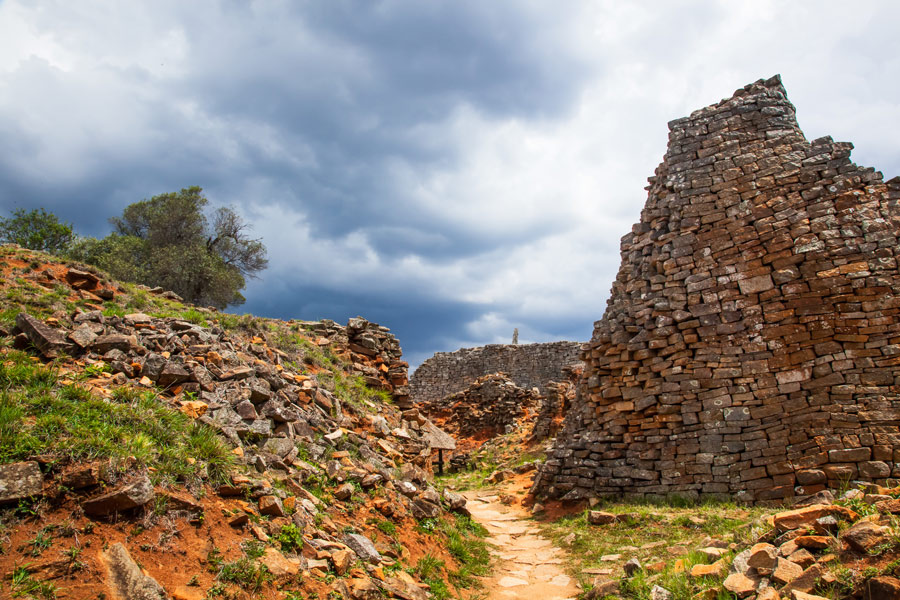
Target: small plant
{"x": 41, "y": 541}
{"x": 253, "y": 549}
{"x": 247, "y": 573}
{"x": 386, "y": 527}
{"x": 291, "y": 538}
{"x": 25, "y": 586}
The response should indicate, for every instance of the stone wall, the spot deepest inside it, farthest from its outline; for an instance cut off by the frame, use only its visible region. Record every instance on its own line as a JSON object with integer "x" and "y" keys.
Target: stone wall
{"x": 751, "y": 341}
{"x": 528, "y": 365}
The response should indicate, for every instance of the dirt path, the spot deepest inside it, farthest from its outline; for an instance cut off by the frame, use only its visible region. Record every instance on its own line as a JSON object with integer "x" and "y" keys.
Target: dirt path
{"x": 526, "y": 564}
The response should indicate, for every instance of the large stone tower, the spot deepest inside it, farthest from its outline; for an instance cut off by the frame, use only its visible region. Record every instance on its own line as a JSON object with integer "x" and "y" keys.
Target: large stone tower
{"x": 751, "y": 341}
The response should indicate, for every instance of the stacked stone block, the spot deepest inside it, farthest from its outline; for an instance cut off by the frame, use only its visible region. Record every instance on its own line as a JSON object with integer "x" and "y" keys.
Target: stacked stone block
{"x": 751, "y": 340}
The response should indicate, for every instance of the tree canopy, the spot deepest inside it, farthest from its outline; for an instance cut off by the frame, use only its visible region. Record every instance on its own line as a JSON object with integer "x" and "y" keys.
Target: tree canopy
{"x": 169, "y": 241}
{"x": 36, "y": 229}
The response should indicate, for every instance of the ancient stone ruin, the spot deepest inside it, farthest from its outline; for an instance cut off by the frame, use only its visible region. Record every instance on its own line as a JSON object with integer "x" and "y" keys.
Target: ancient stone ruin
{"x": 527, "y": 365}
{"x": 751, "y": 341}
{"x": 491, "y": 406}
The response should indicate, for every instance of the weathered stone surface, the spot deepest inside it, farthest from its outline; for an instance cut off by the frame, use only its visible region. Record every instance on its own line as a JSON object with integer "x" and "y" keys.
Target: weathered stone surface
{"x": 762, "y": 556}
{"x": 126, "y": 579}
{"x": 716, "y": 569}
{"x": 278, "y": 565}
{"x": 785, "y": 571}
{"x": 50, "y": 342}
{"x": 271, "y": 505}
{"x": 363, "y": 547}
{"x": 126, "y": 497}
{"x": 802, "y": 517}
{"x": 727, "y": 360}
{"x": 113, "y": 341}
{"x": 806, "y": 581}
{"x": 740, "y": 585}
{"x": 20, "y": 480}
{"x": 596, "y": 517}
{"x": 883, "y": 587}
{"x": 82, "y": 280}
{"x": 865, "y": 535}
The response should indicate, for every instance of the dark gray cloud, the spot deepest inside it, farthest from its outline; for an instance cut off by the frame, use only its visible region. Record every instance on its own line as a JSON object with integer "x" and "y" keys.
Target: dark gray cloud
{"x": 450, "y": 169}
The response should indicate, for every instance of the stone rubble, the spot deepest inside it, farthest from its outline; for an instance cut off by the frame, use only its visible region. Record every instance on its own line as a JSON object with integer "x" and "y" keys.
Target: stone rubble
{"x": 527, "y": 365}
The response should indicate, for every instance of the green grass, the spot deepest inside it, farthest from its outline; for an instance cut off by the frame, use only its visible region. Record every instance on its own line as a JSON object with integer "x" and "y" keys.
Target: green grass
{"x": 649, "y": 533}
{"x": 290, "y": 537}
{"x": 23, "y": 585}
{"x": 39, "y": 415}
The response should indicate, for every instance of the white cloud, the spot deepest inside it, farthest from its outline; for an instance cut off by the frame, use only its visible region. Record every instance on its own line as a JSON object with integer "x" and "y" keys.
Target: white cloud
{"x": 542, "y": 195}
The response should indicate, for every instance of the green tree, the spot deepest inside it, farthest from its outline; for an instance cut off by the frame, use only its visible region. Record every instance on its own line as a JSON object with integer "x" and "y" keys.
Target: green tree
{"x": 36, "y": 229}
{"x": 169, "y": 241}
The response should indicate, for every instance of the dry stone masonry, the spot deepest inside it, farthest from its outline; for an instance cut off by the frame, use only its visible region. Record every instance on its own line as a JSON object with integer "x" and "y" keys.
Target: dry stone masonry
{"x": 527, "y": 365}
{"x": 751, "y": 341}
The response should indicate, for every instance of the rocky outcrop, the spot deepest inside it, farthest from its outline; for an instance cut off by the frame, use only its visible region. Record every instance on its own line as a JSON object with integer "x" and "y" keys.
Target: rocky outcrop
{"x": 750, "y": 342}
{"x": 527, "y": 365}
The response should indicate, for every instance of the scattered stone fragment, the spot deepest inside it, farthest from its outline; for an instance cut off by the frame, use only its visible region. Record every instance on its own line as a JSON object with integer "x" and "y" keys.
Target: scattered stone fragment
{"x": 865, "y": 535}
{"x": 739, "y": 584}
{"x": 278, "y": 565}
{"x": 762, "y": 556}
{"x": 271, "y": 505}
{"x": 716, "y": 569}
{"x": 658, "y": 592}
{"x": 596, "y": 517}
{"x": 786, "y": 571}
{"x": 632, "y": 566}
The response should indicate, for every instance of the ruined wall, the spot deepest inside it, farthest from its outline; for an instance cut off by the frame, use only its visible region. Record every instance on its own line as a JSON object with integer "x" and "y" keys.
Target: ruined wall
{"x": 528, "y": 365}
{"x": 751, "y": 341}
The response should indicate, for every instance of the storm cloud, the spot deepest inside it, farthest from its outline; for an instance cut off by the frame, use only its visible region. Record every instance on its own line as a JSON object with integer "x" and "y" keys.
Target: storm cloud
{"x": 452, "y": 170}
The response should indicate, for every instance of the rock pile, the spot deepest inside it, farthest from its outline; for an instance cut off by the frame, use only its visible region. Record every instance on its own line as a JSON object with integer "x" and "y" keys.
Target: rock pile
{"x": 750, "y": 342}
{"x": 798, "y": 554}
{"x": 291, "y": 399}
{"x": 491, "y": 406}
{"x": 527, "y": 365}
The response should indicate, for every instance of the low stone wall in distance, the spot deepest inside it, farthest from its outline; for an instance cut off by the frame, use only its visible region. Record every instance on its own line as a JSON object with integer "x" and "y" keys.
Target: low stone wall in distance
{"x": 527, "y": 365}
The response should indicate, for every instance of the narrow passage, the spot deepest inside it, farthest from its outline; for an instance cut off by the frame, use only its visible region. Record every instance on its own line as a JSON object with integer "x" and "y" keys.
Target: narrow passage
{"x": 526, "y": 564}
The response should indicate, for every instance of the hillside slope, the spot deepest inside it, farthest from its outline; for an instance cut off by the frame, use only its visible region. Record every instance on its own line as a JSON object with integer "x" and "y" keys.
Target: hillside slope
{"x": 151, "y": 449}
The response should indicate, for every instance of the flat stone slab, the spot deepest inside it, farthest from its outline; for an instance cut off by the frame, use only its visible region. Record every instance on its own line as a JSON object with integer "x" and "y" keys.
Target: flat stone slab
{"x": 509, "y": 582}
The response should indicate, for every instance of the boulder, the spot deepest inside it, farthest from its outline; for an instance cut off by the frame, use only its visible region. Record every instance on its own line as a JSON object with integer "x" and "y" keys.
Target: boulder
{"x": 126, "y": 497}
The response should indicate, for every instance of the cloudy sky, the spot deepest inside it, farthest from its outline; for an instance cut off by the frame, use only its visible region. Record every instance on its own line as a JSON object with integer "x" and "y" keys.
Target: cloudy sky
{"x": 451, "y": 169}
